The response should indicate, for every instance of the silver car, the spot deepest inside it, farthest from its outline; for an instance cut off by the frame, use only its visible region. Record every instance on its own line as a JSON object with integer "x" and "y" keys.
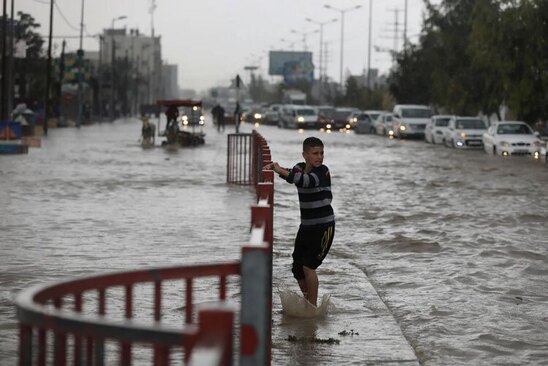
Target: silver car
{"x": 436, "y": 128}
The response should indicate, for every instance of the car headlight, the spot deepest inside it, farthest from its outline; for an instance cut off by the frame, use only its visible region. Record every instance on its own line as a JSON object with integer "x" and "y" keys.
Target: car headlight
{"x": 328, "y": 125}
{"x": 300, "y": 119}
{"x": 202, "y": 118}
{"x": 347, "y": 126}
{"x": 463, "y": 135}
{"x": 201, "y": 122}
{"x": 504, "y": 144}
{"x": 185, "y": 122}
{"x": 403, "y": 128}
{"x": 185, "y": 118}
{"x": 257, "y": 116}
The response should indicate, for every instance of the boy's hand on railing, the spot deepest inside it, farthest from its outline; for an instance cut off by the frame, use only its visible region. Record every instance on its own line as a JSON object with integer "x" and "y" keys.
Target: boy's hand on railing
{"x": 277, "y": 168}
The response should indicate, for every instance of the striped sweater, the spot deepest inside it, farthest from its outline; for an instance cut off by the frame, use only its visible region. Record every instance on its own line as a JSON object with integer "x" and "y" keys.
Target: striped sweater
{"x": 314, "y": 194}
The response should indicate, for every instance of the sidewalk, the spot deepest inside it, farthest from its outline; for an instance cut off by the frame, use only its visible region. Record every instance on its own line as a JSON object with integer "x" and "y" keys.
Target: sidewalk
{"x": 358, "y": 329}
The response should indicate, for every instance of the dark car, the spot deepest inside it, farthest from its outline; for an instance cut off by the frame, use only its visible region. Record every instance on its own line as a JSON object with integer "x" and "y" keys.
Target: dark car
{"x": 340, "y": 118}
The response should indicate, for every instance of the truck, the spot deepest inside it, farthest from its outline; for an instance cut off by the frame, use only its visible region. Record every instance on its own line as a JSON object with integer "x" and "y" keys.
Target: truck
{"x": 293, "y": 96}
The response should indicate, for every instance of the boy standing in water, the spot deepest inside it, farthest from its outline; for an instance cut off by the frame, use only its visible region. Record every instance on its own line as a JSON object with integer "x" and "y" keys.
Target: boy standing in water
{"x": 317, "y": 227}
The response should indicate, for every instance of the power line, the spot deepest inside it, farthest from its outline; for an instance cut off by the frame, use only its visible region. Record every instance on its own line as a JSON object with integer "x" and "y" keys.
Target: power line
{"x": 64, "y": 18}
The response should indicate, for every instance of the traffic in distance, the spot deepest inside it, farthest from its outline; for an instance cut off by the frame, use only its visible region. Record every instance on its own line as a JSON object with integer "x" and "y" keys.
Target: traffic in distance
{"x": 407, "y": 121}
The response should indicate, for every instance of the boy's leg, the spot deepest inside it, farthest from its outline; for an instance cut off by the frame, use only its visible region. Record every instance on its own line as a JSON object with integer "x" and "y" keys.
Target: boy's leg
{"x": 312, "y": 283}
{"x": 302, "y": 285}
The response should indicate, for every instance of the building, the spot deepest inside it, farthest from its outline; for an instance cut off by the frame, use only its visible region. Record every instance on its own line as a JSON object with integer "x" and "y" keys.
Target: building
{"x": 170, "y": 87}
{"x": 137, "y": 61}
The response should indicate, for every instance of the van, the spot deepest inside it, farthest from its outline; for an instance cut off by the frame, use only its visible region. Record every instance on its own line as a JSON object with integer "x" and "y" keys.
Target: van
{"x": 298, "y": 116}
{"x": 409, "y": 120}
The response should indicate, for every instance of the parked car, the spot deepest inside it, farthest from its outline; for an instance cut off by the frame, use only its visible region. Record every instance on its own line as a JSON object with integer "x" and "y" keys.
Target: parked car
{"x": 508, "y": 138}
{"x": 298, "y": 116}
{"x": 410, "y": 120}
{"x": 271, "y": 115}
{"x": 465, "y": 132}
{"x": 436, "y": 128}
{"x": 383, "y": 124}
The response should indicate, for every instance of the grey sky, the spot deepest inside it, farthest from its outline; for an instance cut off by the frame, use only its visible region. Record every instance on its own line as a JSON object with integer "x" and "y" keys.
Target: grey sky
{"x": 212, "y": 40}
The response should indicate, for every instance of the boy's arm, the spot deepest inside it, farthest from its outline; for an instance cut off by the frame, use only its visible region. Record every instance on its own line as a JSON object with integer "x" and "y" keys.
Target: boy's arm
{"x": 283, "y": 172}
{"x": 317, "y": 177}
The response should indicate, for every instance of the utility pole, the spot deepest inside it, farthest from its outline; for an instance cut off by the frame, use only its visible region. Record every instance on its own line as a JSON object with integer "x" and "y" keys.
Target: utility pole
{"x": 100, "y": 77}
{"x": 369, "y": 45}
{"x": 61, "y": 77}
{"x": 405, "y": 27}
{"x": 3, "y": 108}
{"x": 80, "y": 54}
{"x": 396, "y": 30}
{"x": 48, "y": 70}
{"x": 112, "y": 71}
{"x": 10, "y": 93}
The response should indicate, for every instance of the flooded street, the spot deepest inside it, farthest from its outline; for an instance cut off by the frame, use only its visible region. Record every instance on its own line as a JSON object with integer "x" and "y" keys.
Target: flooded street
{"x": 454, "y": 242}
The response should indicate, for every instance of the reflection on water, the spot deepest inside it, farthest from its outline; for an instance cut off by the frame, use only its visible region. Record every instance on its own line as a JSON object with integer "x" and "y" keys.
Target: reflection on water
{"x": 455, "y": 242}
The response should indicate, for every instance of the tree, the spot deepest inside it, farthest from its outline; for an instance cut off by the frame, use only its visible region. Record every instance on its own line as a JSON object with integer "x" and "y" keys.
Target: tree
{"x": 30, "y": 71}
{"x": 25, "y": 30}
{"x": 411, "y": 81}
{"x": 509, "y": 43}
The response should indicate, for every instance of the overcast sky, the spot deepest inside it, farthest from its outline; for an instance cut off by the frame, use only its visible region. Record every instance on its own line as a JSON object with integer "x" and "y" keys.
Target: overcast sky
{"x": 212, "y": 40}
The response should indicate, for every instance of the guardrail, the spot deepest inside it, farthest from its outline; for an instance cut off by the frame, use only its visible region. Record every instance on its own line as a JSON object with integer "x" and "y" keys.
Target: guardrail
{"x": 52, "y": 317}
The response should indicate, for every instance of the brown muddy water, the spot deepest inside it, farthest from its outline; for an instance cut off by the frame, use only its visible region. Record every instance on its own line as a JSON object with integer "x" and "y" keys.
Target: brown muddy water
{"x": 455, "y": 242}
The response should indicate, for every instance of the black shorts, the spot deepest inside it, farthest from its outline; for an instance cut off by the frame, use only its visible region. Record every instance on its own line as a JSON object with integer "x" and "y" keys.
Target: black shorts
{"x": 311, "y": 246}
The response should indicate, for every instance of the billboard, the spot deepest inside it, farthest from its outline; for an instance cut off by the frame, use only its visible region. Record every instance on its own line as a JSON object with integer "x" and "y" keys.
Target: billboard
{"x": 292, "y": 65}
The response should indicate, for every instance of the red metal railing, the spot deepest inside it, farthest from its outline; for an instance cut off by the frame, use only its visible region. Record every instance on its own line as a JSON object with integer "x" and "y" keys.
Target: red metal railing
{"x": 51, "y": 317}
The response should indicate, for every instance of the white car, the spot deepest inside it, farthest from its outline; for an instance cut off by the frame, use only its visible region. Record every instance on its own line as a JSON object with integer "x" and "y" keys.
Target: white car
{"x": 383, "y": 124}
{"x": 544, "y": 152}
{"x": 272, "y": 114}
{"x": 298, "y": 116}
{"x": 507, "y": 138}
{"x": 436, "y": 128}
{"x": 465, "y": 132}
{"x": 409, "y": 120}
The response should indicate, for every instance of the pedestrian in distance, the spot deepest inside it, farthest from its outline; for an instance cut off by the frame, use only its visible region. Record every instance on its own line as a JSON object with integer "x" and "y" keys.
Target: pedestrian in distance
{"x": 219, "y": 117}
{"x": 237, "y": 116}
{"x": 317, "y": 227}
{"x": 214, "y": 113}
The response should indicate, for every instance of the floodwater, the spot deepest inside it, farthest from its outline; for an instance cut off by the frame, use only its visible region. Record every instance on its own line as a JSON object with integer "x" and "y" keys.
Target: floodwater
{"x": 454, "y": 242}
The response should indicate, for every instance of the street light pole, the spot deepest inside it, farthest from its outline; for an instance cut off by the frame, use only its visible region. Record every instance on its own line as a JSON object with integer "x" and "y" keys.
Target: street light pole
{"x": 112, "y": 78}
{"x": 369, "y": 45}
{"x": 289, "y": 43}
{"x": 320, "y": 76}
{"x": 342, "y": 11}
{"x": 304, "y": 34}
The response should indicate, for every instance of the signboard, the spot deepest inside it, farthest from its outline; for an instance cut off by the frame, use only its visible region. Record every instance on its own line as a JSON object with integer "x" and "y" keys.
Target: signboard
{"x": 292, "y": 65}
{"x": 70, "y": 70}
